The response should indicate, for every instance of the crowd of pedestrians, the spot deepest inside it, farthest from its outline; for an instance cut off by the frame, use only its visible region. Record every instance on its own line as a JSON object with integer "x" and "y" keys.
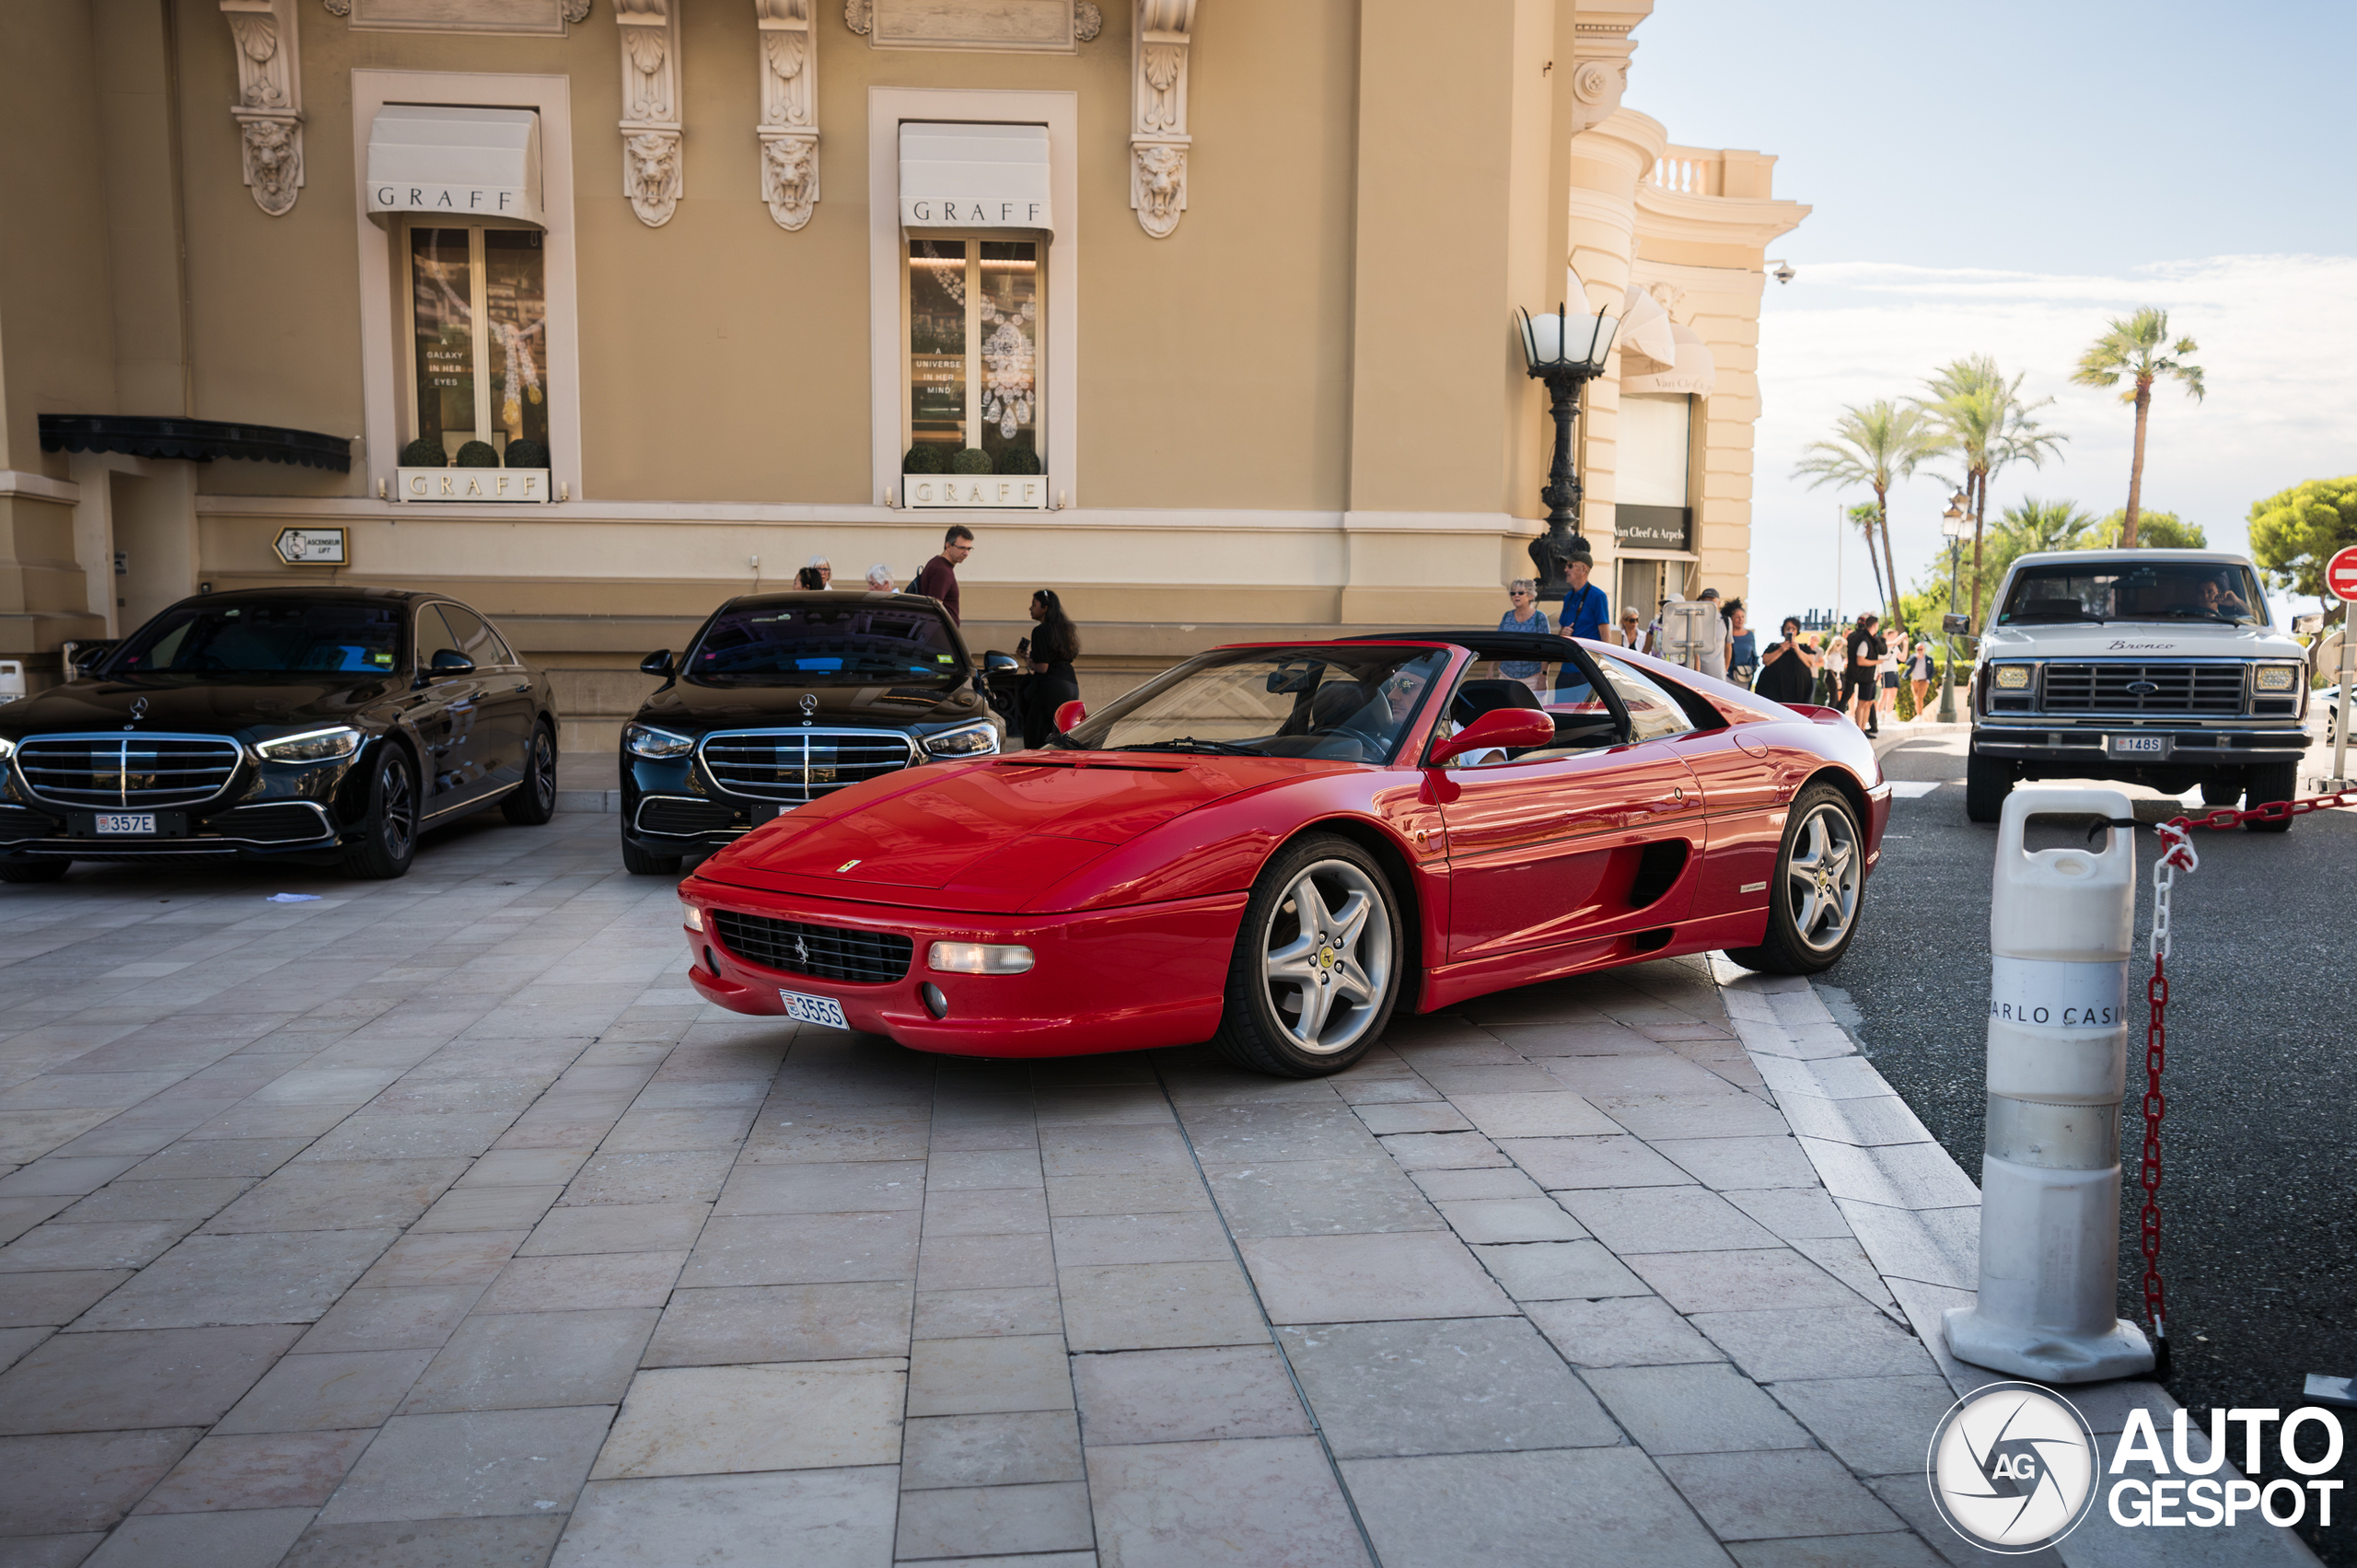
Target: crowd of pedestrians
{"x": 1860, "y": 671}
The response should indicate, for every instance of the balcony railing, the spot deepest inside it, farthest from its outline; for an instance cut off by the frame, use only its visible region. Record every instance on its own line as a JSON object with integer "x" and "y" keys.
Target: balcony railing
{"x": 1696, "y": 171}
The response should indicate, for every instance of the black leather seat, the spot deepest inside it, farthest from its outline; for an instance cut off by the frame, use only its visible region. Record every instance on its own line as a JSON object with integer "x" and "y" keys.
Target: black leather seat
{"x": 1475, "y": 698}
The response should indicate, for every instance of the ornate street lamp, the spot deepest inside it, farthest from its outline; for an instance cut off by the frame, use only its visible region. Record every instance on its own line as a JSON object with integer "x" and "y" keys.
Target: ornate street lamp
{"x": 1564, "y": 351}
{"x": 1953, "y": 527}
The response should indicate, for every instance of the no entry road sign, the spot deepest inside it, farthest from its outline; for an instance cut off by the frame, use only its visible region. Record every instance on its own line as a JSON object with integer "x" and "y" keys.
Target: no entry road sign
{"x": 2341, "y": 575}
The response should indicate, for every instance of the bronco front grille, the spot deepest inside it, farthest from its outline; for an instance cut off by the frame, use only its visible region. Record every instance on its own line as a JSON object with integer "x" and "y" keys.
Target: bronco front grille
{"x": 793, "y": 767}
{"x": 2108, "y": 687}
{"x": 147, "y": 770}
{"x": 822, "y": 952}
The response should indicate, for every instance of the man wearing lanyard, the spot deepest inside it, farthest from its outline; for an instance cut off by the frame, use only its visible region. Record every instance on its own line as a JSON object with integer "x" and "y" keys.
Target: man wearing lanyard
{"x": 1587, "y": 612}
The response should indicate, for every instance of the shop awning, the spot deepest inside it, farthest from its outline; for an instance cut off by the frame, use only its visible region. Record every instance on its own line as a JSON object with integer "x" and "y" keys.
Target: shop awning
{"x": 193, "y": 440}
{"x": 455, "y": 162}
{"x": 974, "y": 176}
{"x": 1645, "y": 326}
{"x": 1693, "y": 371}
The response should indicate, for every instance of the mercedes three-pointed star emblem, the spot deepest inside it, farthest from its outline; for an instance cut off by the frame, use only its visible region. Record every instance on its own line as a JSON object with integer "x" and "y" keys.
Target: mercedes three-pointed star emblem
{"x": 810, "y": 703}
{"x": 138, "y": 708}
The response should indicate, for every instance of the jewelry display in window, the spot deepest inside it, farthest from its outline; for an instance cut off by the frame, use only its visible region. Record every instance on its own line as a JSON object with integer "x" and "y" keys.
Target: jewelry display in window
{"x": 1007, "y": 365}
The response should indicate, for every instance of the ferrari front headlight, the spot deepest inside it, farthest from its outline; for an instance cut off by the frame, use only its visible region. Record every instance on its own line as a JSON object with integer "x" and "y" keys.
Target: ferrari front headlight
{"x": 977, "y": 958}
{"x": 312, "y": 746}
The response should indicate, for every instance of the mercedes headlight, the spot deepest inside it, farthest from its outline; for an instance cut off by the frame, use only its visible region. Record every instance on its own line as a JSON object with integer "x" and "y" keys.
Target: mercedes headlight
{"x": 312, "y": 746}
{"x": 2012, "y": 677}
{"x": 974, "y": 741}
{"x": 2276, "y": 678}
{"x": 7, "y": 748}
{"x": 645, "y": 740}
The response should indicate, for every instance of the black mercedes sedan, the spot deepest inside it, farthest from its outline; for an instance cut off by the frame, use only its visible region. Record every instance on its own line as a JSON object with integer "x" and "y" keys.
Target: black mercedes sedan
{"x": 781, "y": 698}
{"x": 330, "y": 726}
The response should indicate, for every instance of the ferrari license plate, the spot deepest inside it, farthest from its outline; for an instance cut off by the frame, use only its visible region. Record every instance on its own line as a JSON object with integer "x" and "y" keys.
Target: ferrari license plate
{"x": 138, "y": 824}
{"x": 2138, "y": 745}
{"x": 814, "y": 1009}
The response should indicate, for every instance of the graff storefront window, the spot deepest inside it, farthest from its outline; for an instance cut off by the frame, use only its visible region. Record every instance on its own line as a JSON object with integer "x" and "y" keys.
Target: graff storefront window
{"x": 479, "y": 312}
{"x": 974, "y": 348}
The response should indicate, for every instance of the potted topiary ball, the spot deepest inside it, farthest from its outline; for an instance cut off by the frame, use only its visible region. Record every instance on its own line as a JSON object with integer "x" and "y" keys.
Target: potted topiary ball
{"x": 524, "y": 453}
{"x": 425, "y": 452}
{"x": 972, "y": 459}
{"x": 923, "y": 458}
{"x": 477, "y": 455}
{"x": 1018, "y": 459}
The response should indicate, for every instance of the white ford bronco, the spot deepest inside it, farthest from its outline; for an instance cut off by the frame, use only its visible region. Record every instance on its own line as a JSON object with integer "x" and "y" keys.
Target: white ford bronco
{"x": 2155, "y": 666}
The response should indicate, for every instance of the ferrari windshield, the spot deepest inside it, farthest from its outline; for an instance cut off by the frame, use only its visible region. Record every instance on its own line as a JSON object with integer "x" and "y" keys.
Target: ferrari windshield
{"x": 266, "y": 637}
{"x": 805, "y": 644}
{"x": 2134, "y": 590}
{"x": 1350, "y": 702}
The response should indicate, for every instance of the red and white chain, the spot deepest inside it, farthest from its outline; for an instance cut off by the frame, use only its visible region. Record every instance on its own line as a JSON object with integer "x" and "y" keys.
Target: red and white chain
{"x": 2177, "y": 854}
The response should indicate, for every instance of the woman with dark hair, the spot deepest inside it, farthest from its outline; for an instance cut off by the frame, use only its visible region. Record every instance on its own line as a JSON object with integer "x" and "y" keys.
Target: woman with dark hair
{"x": 1788, "y": 674}
{"x": 1050, "y": 650}
{"x": 809, "y": 578}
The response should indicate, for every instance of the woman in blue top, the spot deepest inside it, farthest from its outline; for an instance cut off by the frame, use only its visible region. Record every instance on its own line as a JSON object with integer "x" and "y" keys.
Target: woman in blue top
{"x": 1743, "y": 645}
{"x": 1525, "y": 616}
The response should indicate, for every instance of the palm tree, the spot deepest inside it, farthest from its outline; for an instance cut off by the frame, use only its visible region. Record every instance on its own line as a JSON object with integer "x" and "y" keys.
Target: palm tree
{"x": 2137, "y": 349}
{"x": 1876, "y": 445}
{"x": 1863, "y": 516}
{"x": 1978, "y": 416}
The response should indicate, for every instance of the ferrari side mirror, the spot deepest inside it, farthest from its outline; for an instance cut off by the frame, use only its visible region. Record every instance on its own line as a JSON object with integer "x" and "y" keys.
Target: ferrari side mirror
{"x": 1510, "y": 729}
{"x": 1069, "y": 717}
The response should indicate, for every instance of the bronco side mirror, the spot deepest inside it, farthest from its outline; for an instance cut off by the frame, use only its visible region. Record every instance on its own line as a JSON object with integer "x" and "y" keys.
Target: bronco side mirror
{"x": 1069, "y": 717}
{"x": 1509, "y": 729}
{"x": 657, "y": 662}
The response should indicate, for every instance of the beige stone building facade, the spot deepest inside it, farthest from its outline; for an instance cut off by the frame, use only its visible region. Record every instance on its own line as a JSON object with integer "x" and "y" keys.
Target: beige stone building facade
{"x": 1216, "y": 296}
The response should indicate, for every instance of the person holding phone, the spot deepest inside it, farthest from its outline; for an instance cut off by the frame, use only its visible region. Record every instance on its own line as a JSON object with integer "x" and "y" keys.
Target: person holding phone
{"x": 1788, "y": 670}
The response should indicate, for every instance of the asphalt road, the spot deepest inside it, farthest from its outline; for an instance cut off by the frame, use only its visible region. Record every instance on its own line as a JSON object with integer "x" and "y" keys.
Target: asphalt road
{"x": 2258, "y": 1199}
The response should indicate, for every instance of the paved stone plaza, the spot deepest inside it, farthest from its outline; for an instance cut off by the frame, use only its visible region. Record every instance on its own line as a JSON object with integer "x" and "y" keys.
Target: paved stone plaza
{"x": 439, "y": 1222}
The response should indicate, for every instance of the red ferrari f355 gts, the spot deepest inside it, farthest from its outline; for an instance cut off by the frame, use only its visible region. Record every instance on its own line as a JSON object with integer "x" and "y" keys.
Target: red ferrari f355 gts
{"x": 1274, "y": 847}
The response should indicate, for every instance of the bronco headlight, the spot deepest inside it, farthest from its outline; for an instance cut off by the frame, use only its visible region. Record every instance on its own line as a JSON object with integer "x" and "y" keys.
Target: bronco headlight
{"x": 974, "y": 741}
{"x": 313, "y": 746}
{"x": 977, "y": 958}
{"x": 2012, "y": 677}
{"x": 2276, "y": 678}
{"x": 645, "y": 740}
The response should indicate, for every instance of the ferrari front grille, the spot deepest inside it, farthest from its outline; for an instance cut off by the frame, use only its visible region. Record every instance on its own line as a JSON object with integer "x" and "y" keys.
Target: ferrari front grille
{"x": 822, "y": 952}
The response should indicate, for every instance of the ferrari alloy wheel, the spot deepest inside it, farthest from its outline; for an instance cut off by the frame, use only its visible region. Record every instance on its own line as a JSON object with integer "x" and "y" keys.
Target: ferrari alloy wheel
{"x": 1818, "y": 889}
{"x": 389, "y": 833}
{"x": 1316, "y": 963}
{"x": 534, "y": 802}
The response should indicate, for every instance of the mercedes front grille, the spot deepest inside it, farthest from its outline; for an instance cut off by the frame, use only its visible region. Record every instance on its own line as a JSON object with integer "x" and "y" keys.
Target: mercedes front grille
{"x": 793, "y": 767}
{"x": 114, "y": 772}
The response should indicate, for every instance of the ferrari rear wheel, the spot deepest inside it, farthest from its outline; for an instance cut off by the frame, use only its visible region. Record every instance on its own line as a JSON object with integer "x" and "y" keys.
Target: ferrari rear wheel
{"x": 1819, "y": 890}
{"x": 1316, "y": 964}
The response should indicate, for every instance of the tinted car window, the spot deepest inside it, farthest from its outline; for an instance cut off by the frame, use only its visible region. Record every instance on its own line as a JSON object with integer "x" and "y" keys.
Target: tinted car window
{"x": 1346, "y": 703}
{"x": 476, "y": 639}
{"x": 1653, "y": 713}
{"x": 815, "y": 644}
{"x": 432, "y": 637}
{"x": 277, "y": 637}
{"x": 2134, "y": 590}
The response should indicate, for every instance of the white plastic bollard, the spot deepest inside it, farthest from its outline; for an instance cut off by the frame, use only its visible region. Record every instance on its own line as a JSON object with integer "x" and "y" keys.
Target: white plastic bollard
{"x": 2061, "y": 924}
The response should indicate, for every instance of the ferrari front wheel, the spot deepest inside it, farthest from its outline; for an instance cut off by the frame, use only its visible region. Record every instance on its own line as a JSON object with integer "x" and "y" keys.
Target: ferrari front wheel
{"x": 1819, "y": 889}
{"x": 1316, "y": 963}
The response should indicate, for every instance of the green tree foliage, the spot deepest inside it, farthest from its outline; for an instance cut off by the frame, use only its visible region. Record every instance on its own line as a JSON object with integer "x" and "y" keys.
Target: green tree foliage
{"x": 2138, "y": 351}
{"x": 1874, "y": 446}
{"x": 1979, "y": 418}
{"x": 2154, "y": 530}
{"x": 2295, "y": 532}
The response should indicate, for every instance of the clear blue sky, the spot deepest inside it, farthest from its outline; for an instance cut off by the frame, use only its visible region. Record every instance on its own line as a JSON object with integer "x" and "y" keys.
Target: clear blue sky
{"x": 2044, "y": 166}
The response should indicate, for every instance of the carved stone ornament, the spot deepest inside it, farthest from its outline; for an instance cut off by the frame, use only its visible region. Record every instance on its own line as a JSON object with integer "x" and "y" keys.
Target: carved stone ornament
{"x": 789, "y": 127}
{"x": 1159, "y": 136}
{"x": 653, "y": 162}
{"x": 1600, "y": 67}
{"x": 575, "y": 10}
{"x": 1087, "y": 22}
{"x": 269, "y": 109}
{"x": 338, "y": 7}
{"x": 859, "y": 16}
